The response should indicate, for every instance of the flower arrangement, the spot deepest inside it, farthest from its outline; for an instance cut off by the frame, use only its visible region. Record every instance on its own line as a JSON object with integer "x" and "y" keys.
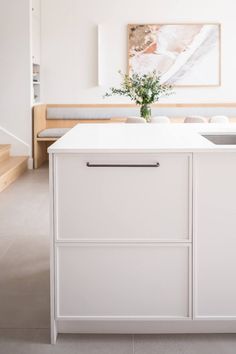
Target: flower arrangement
{"x": 143, "y": 89}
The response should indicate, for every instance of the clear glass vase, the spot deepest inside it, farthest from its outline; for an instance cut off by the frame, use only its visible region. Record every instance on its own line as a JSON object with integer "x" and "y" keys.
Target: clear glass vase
{"x": 146, "y": 112}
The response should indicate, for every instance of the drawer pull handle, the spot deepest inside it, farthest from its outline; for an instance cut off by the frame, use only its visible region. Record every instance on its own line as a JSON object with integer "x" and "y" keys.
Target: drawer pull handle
{"x": 122, "y": 165}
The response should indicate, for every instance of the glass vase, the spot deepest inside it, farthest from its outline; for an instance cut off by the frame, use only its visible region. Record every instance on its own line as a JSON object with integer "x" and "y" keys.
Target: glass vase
{"x": 146, "y": 112}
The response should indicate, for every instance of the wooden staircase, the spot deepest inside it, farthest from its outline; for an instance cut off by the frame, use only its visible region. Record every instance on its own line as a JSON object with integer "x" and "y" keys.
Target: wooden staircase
{"x": 11, "y": 167}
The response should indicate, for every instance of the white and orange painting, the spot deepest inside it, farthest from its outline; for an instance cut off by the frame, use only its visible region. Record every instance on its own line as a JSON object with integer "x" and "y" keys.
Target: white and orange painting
{"x": 183, "y": 54}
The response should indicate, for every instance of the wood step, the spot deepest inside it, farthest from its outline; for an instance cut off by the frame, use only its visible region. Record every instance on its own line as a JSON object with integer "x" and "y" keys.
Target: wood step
{"x": 4, "y": 152}
{"x": 11, "y": 169}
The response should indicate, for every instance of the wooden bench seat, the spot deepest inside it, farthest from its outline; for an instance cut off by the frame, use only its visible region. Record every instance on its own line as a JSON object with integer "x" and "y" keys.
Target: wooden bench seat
{"x": 51, "y": 121}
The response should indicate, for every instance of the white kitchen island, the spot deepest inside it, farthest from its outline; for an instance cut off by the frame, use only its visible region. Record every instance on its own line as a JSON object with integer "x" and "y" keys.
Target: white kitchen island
{"x": 143, "y": 230}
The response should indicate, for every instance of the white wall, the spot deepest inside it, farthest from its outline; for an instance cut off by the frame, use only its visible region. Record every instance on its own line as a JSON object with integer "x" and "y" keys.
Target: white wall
{"x": 15, "y": 79}
{"x": 69, "y": 45}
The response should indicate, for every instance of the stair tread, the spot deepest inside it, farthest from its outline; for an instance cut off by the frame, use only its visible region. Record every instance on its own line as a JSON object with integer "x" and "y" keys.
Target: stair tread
{"x": 11, "y": 163}
{"x": 4, "y": 152}
{"x": 5, "y": 146}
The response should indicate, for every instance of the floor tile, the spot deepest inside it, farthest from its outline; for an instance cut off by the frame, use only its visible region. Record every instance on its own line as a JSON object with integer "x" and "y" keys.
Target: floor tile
{"x": 85, "y": 344}
{"x": 24, "y": 284}
{"x": 5, "y": 243}
{"x": 17, "y": 341}
{"x": 185, "y": 344}
{"x": 37, "y": 342}
{"x": 28, "y": 201}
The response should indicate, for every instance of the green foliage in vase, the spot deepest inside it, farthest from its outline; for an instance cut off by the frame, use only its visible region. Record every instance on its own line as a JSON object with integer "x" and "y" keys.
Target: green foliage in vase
{"x": 143, "y": 89}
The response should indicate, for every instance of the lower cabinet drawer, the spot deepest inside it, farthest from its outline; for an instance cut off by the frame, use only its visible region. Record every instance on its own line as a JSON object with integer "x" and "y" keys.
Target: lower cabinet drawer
{"x": 140, "y": 280}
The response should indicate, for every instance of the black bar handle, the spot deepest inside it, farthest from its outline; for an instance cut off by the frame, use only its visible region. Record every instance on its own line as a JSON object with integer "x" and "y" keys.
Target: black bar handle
{"x": 88, "y": 164}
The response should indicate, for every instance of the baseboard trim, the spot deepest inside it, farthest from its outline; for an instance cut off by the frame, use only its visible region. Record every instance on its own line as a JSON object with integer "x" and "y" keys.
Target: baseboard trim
{"x": 146, "y": 327}
{"x": 30, "y": 163}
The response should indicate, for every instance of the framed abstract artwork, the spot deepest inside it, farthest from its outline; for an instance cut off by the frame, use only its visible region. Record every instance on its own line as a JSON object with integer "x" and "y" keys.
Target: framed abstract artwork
{"x": 183, "y": 54}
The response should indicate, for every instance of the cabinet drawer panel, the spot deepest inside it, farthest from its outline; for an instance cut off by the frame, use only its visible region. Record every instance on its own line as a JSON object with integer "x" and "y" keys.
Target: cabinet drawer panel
{"x": 122, "y": 280}
{"x": 105, "y": 202}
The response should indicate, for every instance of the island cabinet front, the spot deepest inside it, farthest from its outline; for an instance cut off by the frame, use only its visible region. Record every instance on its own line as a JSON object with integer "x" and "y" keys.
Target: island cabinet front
{"x": 122, "y": 232}
{"x": 143, "y": 243}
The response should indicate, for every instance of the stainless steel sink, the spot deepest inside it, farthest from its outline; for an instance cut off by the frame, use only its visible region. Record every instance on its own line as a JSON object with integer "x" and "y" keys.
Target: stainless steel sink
{"x": 221, "y": 139}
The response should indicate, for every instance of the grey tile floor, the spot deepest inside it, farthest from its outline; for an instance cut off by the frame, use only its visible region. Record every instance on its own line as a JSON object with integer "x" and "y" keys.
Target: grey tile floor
{"x": 24, "y": 288}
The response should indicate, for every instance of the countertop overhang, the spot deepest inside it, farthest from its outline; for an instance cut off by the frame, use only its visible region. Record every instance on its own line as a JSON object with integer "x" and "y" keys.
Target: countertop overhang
{"x": 142, "y": 138}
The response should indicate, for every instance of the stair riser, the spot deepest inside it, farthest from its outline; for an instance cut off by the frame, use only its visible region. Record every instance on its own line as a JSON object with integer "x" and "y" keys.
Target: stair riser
{"x": 4, "y": 155}
{"x": 11, "y": 175}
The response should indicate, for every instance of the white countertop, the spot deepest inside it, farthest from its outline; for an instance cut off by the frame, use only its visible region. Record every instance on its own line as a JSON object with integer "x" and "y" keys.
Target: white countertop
{"x": 132, "y": 138}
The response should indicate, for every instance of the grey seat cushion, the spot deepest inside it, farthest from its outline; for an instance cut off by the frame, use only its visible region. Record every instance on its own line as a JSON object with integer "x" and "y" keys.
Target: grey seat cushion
{"x": 90, "y": 113}
{"x": 53, "y": 132}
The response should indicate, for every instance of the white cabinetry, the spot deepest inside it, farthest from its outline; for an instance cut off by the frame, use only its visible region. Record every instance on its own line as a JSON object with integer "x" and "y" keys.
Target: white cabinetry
{"x": 123, "y": 203}
{"x": 35, "y": 48}
{"x": 36, "y": 31}
{"x": 143, "y": 243}
{"x": 122, "y": 248}
{"x": 125, "y": 280}
{"x": 215, "y": 234}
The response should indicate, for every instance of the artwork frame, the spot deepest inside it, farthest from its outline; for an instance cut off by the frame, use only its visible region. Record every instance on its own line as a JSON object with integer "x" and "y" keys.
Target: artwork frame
{"x": 213, "y": 25}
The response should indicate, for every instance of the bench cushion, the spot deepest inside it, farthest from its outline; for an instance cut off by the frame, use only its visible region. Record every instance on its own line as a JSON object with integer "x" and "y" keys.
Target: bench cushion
{"x": 53, "y": 132}
{"x": 90, "y": 113}
{"x": 124, "y": 112}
